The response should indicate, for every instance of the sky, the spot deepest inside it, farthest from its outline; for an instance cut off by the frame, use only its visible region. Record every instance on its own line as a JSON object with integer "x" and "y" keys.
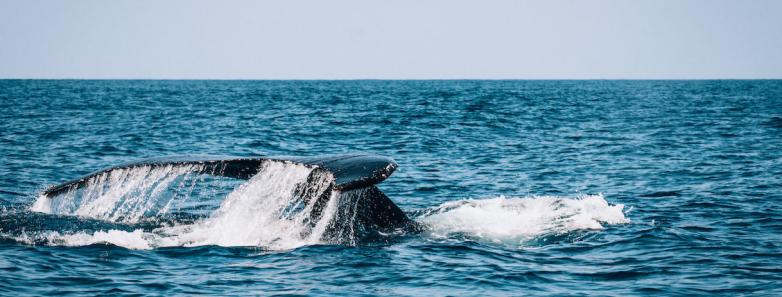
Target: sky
{"x": 407, "y": 39}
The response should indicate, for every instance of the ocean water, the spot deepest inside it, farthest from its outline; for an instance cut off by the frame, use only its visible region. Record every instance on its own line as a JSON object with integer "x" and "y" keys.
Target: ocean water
{"x": 521, "y": 187}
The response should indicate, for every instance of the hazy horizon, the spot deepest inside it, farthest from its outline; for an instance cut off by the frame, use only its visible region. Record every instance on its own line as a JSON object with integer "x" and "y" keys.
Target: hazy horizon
{"x": 357, "y": 40}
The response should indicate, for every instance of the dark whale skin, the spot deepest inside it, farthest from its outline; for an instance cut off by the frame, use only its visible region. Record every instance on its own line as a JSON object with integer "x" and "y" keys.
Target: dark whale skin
{"x": 350, "y": 171}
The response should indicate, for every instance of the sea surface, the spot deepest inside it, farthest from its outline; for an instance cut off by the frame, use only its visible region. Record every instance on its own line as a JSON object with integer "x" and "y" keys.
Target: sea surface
{"x": 545, "y": 188}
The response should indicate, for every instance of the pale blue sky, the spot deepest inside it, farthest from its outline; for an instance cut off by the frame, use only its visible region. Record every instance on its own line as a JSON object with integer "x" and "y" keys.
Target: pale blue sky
{"x": 417, "y": 39}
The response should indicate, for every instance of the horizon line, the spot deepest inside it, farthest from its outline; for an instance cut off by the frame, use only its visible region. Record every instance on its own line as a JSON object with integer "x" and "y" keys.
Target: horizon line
{"x": 389, "y": 79}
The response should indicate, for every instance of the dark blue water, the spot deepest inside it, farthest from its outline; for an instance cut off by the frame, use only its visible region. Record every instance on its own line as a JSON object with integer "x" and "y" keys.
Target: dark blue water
{"x": 578, "y": 187}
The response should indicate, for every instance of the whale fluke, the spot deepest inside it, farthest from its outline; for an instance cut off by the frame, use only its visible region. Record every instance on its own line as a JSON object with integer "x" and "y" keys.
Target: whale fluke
{"x": 362, "y": 207}
{"x": 350, "y": 171}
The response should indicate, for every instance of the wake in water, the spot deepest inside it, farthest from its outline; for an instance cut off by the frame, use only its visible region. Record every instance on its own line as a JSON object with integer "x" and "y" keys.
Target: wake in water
{"x": 284, "y": 206}
{"x": 518, "y": 220}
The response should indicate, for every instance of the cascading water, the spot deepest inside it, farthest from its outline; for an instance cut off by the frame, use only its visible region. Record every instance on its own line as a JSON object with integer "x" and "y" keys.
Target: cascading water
{"x": 276, "y": 209}
{"x": 126, "y": 195}
{"x": 267, "y": 211}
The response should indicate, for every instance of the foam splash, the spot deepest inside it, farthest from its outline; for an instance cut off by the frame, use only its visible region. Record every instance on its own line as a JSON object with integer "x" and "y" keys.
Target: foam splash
{"x": 268, "y": 211}
{"x": 517, "y": 220}
{"x": 137, "y": 239}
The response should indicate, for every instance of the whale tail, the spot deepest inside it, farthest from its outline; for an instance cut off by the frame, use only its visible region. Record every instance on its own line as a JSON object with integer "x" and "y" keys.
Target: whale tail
{"x": 363, "y": 208}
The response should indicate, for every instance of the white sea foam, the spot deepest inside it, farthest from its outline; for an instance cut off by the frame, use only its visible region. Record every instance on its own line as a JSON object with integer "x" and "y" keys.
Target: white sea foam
{"x": 136, "y": 239}
{"x": 516, "y": 220}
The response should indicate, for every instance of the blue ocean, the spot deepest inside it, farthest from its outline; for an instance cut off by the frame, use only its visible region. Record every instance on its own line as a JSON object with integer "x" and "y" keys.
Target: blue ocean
{"x": 518, "y": 188}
